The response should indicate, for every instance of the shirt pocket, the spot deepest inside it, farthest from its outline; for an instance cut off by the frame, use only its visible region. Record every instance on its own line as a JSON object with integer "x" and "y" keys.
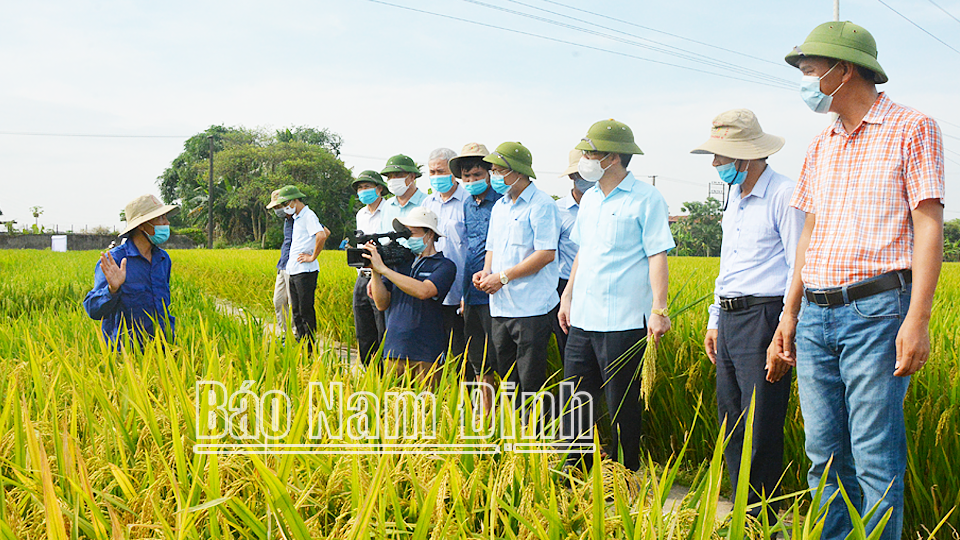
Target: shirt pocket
{"x": 613, "y": 228}
{"x": 137, "y": 298}
{"x": 520, "y": 234}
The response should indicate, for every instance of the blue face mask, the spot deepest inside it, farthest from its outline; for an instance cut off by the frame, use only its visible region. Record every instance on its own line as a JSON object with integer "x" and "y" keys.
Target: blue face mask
{"x": 729, "y": 174}
{"x": 583, "y": 185}
{"x": 161, "y": 233}
{"x": 416, "y": 245}
{"x": 475, "y": 188}
{"x": 441, "y": 184}
{"x": 498, "y": 185}
{"x": 368, "y": 196}
{"x": 813, "y": 97}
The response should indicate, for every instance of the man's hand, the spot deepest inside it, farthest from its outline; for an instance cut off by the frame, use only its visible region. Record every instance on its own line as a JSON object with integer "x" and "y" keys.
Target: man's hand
{"x": 305, "y": 258}
{"x": 563, "y": 315}
{"x": 117, "y": 275}
{"x": 657, "y": 326}
{"x": 913, "y": 346}
{"x": 782, "y": 352}
{"x": 478, "y": 278}
{"x": 710, "y": 344}
{"x": 376, "y": 262}
{"x": 490, "y": 284}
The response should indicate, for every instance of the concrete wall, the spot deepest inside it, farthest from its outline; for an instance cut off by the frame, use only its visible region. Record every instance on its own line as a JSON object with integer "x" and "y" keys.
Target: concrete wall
{"x": 80, "y": 242}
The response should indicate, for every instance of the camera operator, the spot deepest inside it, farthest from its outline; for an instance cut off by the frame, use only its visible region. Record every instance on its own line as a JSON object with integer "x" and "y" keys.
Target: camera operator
{"x": 412, "y": 296}
{"x": 367, "y": 319}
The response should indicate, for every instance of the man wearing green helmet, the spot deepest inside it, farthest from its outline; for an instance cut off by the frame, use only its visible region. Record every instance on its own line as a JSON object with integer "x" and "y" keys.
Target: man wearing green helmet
{"x": 617, "y": 292}
{"x": 368, "y": 321}
{"x": 856, "y": 316}
{"x": 401, "y": 173}
{"x": 520, "y": 269}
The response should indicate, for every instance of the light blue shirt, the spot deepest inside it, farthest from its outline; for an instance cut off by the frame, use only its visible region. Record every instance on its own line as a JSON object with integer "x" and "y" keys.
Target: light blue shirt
{"x": 305, "y": 226}
{"x": 453, "y": 243}
{"x": 517, "y": 229}
{"x": 567, "y": 248}
{"x": 616, "y": 233}
{"x": 760, "y": 235}
{"x": 393, "y": 210}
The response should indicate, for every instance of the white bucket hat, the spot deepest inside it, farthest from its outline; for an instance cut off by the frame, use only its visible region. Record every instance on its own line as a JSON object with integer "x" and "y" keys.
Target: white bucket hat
{"x": 418, "y": 217}
{"x": 573, "y": 162}
{"x": 143, "y": 209}
{"x": 737, "y": 134}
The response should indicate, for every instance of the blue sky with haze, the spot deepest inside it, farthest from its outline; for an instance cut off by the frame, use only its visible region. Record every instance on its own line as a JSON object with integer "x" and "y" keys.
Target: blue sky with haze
{"x": 392, "y": 80}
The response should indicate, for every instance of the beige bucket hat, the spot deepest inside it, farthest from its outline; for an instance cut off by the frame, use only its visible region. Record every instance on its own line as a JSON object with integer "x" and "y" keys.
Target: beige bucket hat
{"x": 274, "y": 200}
{"x": 737, "y": 134}
{"x": 418, "y": 217}
{"x": 573, "y": 160}
{"x": 143, "y": 209}
{"x": 473, "y": 149}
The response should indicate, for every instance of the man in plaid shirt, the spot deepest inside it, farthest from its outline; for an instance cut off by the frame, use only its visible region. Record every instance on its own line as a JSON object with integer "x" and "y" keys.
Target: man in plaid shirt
{"x": 856, "y": 317}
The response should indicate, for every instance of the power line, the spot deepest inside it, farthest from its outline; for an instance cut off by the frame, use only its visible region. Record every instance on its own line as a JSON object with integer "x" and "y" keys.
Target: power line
{"x": 680, "y": 53}
{"x": 920, "y": 27}
{"x": 565, "y": 42}
{"x": 945, "y": 11}
{"x": 780, "y": 64}
{"x": 94, "y": 135}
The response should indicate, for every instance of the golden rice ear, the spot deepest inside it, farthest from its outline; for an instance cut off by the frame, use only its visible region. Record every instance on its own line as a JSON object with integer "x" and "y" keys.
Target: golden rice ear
{"x": 648, "y": 372}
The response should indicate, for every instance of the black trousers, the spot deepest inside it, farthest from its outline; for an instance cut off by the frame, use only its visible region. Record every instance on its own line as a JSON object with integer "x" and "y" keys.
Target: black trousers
{"x": 743, "y": 337}
{"x": 555, "y": 322}
{"x": 521, "y": 344}
{"x": 477, "y": 327}
{"x": 593, "y": 364}
{"x": 303, "y": 288}
{"x": 368, "y": 321}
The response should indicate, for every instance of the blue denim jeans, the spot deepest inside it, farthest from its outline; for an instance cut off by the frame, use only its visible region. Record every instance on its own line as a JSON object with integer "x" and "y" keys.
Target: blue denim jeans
{"x": 853, "y": 406}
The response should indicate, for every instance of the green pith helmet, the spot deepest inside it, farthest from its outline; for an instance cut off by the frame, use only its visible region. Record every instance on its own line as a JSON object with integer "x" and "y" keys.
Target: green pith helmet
{"x": 368, "y": 176}
{"x": 289, "y": 193}
{"x": 401, "y": 163}
{"x": 609, "y": 136}
{"x": 841, "y": 41}
{"x": 514, "y": 156}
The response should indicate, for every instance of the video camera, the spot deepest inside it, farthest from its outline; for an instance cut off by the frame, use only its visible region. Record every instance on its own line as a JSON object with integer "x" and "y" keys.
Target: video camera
{"x": 392, "y": 253}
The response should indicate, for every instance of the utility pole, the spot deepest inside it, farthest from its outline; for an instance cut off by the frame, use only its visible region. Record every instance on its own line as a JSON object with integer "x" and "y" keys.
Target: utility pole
{"x": 210, "y": 198}
{"x": 836, "y": 10}
{"x": 653, "y": 178}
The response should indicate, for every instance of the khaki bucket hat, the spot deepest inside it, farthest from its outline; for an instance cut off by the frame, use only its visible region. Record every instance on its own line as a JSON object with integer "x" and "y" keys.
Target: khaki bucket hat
{"x": 737, "y": 134}
{"x": 418, "y": 217}
{"x": 573, "y": 160}
{"x": 274, "y": 200}
{"x": 143, "y": 209}
{"x": 473, "y": 149}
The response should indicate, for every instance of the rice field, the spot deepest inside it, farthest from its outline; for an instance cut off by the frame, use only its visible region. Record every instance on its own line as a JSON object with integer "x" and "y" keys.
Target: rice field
{"x": 96, "y": 444}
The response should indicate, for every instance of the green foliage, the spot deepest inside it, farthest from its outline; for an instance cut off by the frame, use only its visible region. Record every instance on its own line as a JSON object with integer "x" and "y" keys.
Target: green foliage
{"x": 951, "y": 240}
{"x": 248, "y": 166}
{"x": 698, "y": 234}
{"x": 273, "y": 239}
{"x": 196, "y": 235}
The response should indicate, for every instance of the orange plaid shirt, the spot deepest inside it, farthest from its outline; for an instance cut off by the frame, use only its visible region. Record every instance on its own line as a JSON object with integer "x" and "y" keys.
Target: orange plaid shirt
{"x": 862, "y": 187}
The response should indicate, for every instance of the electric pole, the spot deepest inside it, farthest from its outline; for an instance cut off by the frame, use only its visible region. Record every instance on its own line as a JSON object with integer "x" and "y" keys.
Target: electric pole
{"x": 210, "y": 198}
{"x": 653, "y": 178}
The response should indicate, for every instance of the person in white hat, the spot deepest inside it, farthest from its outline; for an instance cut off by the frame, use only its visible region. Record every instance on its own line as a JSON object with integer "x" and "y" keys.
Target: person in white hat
{"x": 134, "y": 294}
{"x": 281, "y": 285}
{"x": 760, "y": 235}
{"x": 412, "y": 296}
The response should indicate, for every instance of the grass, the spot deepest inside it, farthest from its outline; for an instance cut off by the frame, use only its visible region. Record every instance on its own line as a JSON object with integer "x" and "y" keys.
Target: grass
{"x": 95, "y": 444}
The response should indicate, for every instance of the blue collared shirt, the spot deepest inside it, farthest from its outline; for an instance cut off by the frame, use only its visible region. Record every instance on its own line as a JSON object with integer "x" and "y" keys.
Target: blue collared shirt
{"x": 453, "y": 243}
{"x": 616, "y": 233}
{"x": 517, "y": 229}
{"x": 393, "y": 210}
{"x": 760, "y": 235}
{"x": 143, "y": 298}
{"x": 567, "y": 248}
{"x": 476, "y": 218}
{"x": 285, "y": 247}
{"x": 305, "y": 228}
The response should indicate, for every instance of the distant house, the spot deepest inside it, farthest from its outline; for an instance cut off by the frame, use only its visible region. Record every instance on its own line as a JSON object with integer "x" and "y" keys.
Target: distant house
{"x": 676, "y": 219}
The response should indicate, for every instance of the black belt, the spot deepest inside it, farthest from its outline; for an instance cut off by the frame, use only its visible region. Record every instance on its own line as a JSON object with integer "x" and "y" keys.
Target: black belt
{"x": 863, "y": 289}
{"x": 743, "y": 302}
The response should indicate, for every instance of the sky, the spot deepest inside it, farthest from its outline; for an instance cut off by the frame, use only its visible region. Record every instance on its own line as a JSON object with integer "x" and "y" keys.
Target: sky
{"x": 395, "y": 80}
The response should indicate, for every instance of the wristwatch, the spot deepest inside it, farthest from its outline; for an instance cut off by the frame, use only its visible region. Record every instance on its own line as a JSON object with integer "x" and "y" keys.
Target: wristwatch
{"x": 660, "y": 312}
{"x": 503, "y": 278}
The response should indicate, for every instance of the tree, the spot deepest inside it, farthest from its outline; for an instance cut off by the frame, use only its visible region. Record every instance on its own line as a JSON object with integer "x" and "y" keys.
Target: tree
{"x": 951, "y": 241}
{"x": 699, "y": 234}
{"x": 248, "y": 166}
{"x": 37, "y": 211}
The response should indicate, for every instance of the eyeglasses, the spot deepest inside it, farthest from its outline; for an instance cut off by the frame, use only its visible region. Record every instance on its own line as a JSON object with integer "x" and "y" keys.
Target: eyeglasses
{"x": 501, "y": 172}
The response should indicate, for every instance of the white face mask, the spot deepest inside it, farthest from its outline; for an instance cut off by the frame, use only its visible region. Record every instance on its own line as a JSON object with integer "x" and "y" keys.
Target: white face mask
{"x": 590, "y": 169}
{"x": 289, "y": 210}
{"x": 397, "y": 186}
